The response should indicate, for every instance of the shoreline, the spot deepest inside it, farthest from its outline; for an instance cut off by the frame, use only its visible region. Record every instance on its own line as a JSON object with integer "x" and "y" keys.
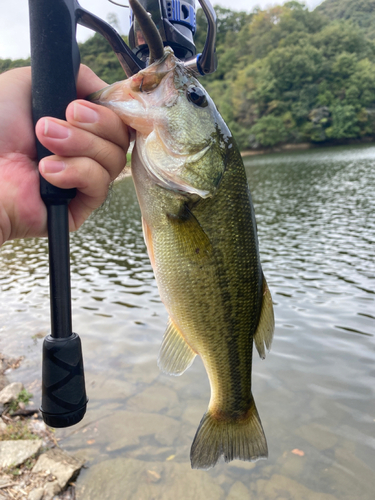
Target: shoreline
{"x": 283, "y": 148}
{"x": 304, "y": 146}
{"x": 32, "y": 465}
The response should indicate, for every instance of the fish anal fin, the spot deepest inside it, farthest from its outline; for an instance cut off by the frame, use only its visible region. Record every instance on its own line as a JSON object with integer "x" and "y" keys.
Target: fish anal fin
{"x": 241, "y": 439}
{"x": 175, "y": 354}
{"x": 192, "y": 238}
{"x": 149, "y": 243}
{"x": 266, "y": 326}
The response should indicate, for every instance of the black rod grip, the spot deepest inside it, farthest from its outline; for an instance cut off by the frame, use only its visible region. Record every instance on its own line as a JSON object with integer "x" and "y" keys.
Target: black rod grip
{"x": 54, "y": 68}
{"x": 64, "y": 398}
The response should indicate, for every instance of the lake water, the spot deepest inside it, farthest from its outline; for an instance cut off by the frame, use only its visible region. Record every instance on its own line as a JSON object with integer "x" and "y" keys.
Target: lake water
{"x": 315, "y": 392}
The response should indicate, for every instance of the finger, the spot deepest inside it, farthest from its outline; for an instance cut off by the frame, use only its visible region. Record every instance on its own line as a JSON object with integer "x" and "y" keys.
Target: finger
{"x": 85, "y": 174}
{"x": 98, "y": 120}
{"x": 67, "y": 141}
{"x": 88, "y": 82}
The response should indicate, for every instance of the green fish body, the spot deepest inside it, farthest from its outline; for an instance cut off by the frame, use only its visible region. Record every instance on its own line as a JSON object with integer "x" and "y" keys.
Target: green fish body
{"x": 200, "y": 231}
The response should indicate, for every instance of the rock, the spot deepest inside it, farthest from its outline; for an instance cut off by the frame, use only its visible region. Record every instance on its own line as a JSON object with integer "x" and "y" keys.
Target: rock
{"x": 103, "y": 387}
{"x": 10, "y": 392}
{"x": 3, "y": 426}
{"x": 3, "y": 381}
{"x": 131, "y": 479}
{"x": 292, "y": 465}
{"x": 126, "y": 428}
{"x": 144, "y": 373}
{"x": 51, "y": 489}
{"x": 155, "y": 453}
{"x": 36, "y": 494}
{"x": 238, "y": 492}
{"x": 283, "y": 487}
{"x": 241, "y": 464}
{"x": 58, "y": 463}
{"x": 13, "y": 453}
{"x": 354, "y": 484}
{"x": 318, "y": 436}
{"x": 5, "y": 481}
{"x": 153, "y": 399}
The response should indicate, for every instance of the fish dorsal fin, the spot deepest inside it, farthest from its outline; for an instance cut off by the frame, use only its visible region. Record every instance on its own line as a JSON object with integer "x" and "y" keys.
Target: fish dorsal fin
{"x": 175, "y": 354}
{"x": 192, "y": 239}
{"x": 263, "y": 335}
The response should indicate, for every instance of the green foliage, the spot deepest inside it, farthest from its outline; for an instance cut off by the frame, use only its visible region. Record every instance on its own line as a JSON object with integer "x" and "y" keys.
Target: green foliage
{"x": 359, "y": 12}
{"x": 7, "y": 64}
{"x": 17, "y": 430}
{"x": 291, "y": 75}
{"x": 23, "y": 397}
{"x": 268, "y": 131}
{"x": 98, "y": 55}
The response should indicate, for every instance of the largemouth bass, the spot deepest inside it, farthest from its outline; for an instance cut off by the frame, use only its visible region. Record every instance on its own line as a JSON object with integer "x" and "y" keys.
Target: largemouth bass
{"x": 200, "y": 231}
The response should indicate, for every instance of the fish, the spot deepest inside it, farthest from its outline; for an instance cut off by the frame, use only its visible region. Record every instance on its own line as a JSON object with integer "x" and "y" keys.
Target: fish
{"x": 200, "y": 230}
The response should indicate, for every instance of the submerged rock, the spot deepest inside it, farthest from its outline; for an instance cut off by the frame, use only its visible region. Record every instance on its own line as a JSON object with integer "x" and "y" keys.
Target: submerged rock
{"x": 126, "y": 428}
{"x": 281, "y": 487}
{"x": 318, "y": 436}
{"x": 238, "y": 492}
{"x": 131, "y": 479}
{"x": 155, "y": 398}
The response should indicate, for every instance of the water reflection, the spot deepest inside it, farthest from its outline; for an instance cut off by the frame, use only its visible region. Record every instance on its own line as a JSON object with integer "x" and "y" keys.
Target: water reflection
{"x": 315, "y": 391}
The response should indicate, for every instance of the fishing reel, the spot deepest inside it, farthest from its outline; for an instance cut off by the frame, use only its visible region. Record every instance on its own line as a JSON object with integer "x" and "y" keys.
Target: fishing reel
{"x": 55, "y": 61}
{"x": 176, "y": 22}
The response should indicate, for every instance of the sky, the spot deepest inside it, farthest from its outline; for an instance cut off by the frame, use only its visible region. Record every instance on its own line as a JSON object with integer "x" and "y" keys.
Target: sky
{"x": 14, "y": 20}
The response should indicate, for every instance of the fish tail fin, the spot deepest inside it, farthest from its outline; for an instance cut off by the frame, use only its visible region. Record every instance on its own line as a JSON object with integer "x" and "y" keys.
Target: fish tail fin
{"x": 241, "y": 439}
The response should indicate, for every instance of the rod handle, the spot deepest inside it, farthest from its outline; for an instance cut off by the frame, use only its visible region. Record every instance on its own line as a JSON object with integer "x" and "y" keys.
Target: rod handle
{"x": 64, "y": 397}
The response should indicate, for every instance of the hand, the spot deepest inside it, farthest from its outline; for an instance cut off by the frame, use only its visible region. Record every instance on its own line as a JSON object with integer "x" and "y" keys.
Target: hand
{"x": 89, "y": 153}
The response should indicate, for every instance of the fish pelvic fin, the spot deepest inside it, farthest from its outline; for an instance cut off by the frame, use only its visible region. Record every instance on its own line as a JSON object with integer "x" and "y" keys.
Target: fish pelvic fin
{"x": 175, "y": 355}
{"x": 241, "y": 439}
{"x": 266, "y": 326}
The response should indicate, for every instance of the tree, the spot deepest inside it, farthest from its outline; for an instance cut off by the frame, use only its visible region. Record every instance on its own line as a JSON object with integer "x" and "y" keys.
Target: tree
{"x": 269, "y": 131}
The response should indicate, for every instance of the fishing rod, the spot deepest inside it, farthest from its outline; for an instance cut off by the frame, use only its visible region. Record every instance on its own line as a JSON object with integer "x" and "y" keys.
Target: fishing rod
{"x": 55, "y": 61}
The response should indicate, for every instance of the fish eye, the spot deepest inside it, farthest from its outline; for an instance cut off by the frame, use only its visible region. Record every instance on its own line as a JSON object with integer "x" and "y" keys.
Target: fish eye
{"x": 197, "y": 96}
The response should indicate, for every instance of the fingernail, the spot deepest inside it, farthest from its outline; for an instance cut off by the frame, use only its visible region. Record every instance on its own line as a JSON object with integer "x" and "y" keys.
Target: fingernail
{"x": 84, "y": 114}
{"x": 55, "y": 130}
{"x": 51, "y": 166}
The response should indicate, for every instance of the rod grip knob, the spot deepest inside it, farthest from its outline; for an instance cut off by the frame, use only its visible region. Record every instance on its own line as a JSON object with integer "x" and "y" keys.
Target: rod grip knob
{"x": 64, "y": 398}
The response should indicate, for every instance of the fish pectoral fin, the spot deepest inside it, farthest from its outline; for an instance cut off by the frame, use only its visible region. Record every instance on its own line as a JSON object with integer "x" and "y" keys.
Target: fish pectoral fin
{"x": 175, "y": 354}
{"x": 192, "y": 240}
{"x": 266, "y": 326}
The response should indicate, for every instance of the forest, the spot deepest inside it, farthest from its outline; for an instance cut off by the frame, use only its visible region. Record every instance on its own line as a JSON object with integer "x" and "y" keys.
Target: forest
{"x": 285, "y": 74}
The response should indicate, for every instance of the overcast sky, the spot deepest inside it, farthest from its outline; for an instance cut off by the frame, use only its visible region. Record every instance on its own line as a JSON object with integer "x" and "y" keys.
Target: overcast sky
{"x": 14, "y": 21}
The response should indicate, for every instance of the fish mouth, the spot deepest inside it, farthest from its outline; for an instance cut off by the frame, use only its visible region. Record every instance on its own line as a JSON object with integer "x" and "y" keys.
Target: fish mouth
{"x": 139, "y": 99}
